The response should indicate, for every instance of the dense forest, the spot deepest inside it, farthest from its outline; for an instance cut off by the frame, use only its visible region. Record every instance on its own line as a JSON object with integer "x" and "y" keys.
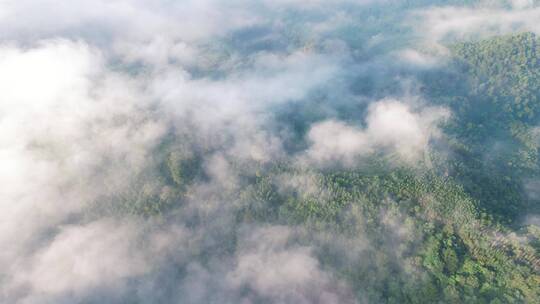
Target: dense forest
{"x": 381, "y": 167}
{"x": 450, "y": 230}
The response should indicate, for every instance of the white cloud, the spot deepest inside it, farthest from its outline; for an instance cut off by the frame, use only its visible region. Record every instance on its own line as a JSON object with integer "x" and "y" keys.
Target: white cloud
{"x": 336, "y": 141}
{"x": 74, "y": 128}
{"x": 129, "y": 19}
{"x": 80, "y": 258}
{"x": 419, "y": 59}
{"x": 233, "y": 110}
{"x": 391, "y": 126}
{"x": 100, "y": 256}
{"x": 88, "y": 89}
{"x": 287, "y": 274}
{"x": 522, "y": 4}
{"x": 71, "y": 131}
{"x": 438, "y": 24}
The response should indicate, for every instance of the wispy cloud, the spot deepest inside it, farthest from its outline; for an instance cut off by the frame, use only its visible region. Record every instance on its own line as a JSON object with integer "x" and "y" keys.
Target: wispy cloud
{"x": 391, "y": 126}
{"x": 90, "y": 91}
{"x": 439, "y": 24}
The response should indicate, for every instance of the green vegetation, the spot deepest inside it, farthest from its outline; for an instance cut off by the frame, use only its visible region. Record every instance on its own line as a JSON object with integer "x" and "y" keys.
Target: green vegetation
{"x": 422, "y": 239}
{"x": 447, "y": 234}
{"x": 493, "y": 90}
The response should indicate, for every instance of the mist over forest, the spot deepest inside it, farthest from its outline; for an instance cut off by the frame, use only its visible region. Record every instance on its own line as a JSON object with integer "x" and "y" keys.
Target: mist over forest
{"x": 269, "y": 151}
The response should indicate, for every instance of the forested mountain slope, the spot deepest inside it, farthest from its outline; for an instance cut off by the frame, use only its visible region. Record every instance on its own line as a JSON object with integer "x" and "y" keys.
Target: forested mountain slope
{"x": 494, "y": 95}
{"x": 448, "y": 232}
{"x": 280, "y": 152}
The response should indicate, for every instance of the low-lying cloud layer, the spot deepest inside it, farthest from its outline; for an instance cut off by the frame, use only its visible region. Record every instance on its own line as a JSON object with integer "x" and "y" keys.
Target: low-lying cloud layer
{"x": 391, "y": 127}
{"x": 454, "y": 23}
{"x": 89, "y": 90}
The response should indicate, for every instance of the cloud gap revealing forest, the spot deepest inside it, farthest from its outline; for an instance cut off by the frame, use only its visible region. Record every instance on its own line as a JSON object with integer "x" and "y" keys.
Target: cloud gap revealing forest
{"x": 212, "y": 151}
